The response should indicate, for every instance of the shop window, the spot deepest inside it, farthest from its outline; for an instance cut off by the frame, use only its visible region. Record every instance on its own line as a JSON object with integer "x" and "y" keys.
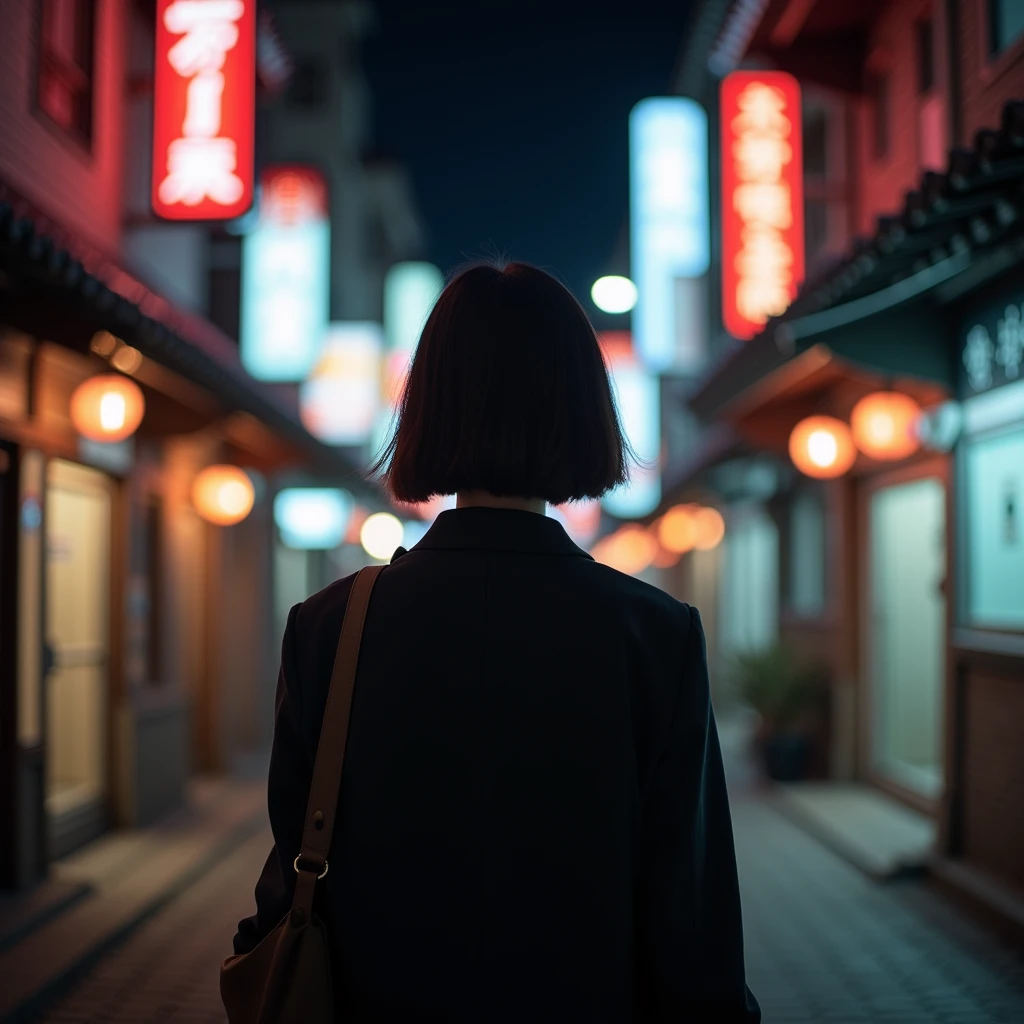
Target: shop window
{"x": 65, "y": 80}
{"x": 154, "y": 575}
{"x": 878, "y": 99}
{"x": 995, "y": 531}
{"x": 1006, "y": 24}
{"x": 807, "y": 556}
{"x": 748, "y": 600}
{"x": 925, "y": 57}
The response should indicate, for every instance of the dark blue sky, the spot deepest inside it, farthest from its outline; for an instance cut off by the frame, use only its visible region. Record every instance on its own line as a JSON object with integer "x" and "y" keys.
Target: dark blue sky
{"x": 512, "y": 119}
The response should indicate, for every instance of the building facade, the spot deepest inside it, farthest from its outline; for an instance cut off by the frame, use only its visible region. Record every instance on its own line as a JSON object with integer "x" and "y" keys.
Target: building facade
{"x": 895, "y": 574}
{"x": 138, "y": 640}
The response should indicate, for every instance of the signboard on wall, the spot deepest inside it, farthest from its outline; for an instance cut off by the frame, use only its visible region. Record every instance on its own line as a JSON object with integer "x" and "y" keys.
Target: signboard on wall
{"x": 286, "y": 264}
{"x": 762, "y": 198}
{"x": 637, "y": 398}
{"x": 669, "y": 226}
{"x": 204, "y": 109}
{"x": 340, "y": 400}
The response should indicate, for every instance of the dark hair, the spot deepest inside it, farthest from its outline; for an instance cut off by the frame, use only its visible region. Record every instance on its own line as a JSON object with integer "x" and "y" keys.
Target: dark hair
{"x": 508, "y": 394}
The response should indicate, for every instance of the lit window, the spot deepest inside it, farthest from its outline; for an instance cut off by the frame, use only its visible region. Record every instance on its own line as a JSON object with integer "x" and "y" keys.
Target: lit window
{"x": 65, "y": 82}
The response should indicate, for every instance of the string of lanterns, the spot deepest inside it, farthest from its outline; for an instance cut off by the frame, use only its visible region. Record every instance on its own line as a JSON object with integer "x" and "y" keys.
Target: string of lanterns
{"x": 883, "y": 426}
{"x": 633, "y": 548}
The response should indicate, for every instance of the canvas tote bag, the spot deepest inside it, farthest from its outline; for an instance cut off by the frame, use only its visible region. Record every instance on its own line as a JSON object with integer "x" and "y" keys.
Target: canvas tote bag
{"x": 287, "y": 977}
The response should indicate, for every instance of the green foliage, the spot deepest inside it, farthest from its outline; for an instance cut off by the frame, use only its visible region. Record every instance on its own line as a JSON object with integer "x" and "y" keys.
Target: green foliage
{"x": 779, "y": 687}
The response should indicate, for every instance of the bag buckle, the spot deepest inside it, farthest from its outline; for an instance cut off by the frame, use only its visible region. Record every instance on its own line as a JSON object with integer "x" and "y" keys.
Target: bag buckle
{"x": 298, "y": 869}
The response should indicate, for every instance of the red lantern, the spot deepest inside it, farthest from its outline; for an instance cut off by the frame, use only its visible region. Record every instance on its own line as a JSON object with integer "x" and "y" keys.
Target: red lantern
{"x": 223, "y": 495}
{"x": 883, "y": 425}
{"x": 822, "y": 447}
{"x": 107, "y": 408}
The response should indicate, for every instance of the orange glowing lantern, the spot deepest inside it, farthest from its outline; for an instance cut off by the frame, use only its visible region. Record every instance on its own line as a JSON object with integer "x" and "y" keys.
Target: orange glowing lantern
{"x": 107, "y": 408}
{"x": 883, "y": 425}
{"x": 709, "y": 527}
{"x": 676, "y": 529}
{"x": 822, "y": 447}
{"x": 665, "y": 559}
{"x": 223, "y": 495}
{"x": 630, "y": 549}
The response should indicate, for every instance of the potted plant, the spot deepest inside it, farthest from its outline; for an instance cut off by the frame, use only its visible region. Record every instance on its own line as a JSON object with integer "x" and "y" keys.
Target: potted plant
{"x": 785, "y": 694}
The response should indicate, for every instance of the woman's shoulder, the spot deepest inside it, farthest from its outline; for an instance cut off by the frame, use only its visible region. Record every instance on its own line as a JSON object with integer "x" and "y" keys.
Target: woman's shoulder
{"x": 631, "y": 593}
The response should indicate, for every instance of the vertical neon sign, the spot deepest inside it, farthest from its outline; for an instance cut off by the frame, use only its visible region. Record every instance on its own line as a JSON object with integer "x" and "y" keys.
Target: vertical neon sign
{"x": 204, "y": 106}
{"x": 762, "y": 198}
{"x": 669, "y": 226}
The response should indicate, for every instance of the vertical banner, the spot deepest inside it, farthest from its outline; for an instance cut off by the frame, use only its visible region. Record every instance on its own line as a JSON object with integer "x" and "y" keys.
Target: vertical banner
{"x": 286, "y": 265}
{"x": 762, "y": 198}
{"x": 669, "y": 229}
{"x": 204, "y": 109}
{"x": 637, "y": 398}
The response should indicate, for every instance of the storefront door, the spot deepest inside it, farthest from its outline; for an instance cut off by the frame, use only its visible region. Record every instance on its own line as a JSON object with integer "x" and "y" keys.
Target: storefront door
{"x": 78, "y": 510}
{"x": 906, "y": 632}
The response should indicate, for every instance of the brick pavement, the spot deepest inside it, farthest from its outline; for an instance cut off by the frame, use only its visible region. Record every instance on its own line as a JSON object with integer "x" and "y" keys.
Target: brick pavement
{"x": 825, "y": 943}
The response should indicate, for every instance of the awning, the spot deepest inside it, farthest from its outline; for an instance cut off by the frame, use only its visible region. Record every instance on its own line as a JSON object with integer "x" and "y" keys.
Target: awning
{"x": 58, "y": 284}
{"x": 881, "y": 309}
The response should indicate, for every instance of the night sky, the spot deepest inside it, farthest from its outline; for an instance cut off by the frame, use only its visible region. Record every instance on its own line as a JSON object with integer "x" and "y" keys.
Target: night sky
{"x": 512, "y": 119}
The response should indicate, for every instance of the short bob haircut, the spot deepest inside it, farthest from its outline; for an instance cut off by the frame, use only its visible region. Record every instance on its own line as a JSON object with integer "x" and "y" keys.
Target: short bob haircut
{"x": 507, "y": 394}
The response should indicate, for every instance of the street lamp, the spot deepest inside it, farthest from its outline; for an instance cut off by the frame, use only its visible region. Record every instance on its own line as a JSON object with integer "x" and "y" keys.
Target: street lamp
{"x": 614, "y": 294}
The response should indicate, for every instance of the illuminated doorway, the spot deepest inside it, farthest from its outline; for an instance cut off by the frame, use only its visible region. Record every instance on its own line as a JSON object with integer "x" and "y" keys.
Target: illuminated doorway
{"x": 906, "y": 633}
{"x": 78, "y": 511}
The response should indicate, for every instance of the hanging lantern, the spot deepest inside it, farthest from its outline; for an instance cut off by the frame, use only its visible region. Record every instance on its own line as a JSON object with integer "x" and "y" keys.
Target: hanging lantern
{"x": 223, "y": 495}
{"x": 676, "y": 529}
{"x": 884, "y": 425}
{"x": 381, "y": 534}
{"x": 709, "y": 527}
{"x": 631, "y": 549}
{"x": 107, "y": 408}
{"x": 822, "y": 447}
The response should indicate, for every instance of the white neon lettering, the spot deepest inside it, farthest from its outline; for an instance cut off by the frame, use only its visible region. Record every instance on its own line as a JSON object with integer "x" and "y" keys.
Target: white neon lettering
{"x": 201, "y": 164}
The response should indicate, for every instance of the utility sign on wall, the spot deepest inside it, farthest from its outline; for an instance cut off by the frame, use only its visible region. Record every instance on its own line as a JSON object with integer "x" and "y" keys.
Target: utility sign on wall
{"x": 204, "y": 106}
{"x": 762, "y": 198}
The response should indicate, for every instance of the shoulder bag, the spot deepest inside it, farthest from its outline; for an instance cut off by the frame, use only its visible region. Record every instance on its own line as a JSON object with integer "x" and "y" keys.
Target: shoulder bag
{"x": 287, "y": 977}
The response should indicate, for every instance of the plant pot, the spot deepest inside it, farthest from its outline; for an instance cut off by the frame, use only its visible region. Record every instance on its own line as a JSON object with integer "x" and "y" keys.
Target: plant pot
{"x": 785, "y": 756}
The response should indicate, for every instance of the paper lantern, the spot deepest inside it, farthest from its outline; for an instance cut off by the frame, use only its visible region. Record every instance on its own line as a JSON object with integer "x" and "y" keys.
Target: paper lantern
{"x": 709, "y": 528}
{"x": 223, "y": 495}
{"x": 822, "y": 447}
{"x": 676, "y": 529}
{"x": 630, "y": 549}
{"x": 884, "y": 425}
{"x": 107, "y": 408}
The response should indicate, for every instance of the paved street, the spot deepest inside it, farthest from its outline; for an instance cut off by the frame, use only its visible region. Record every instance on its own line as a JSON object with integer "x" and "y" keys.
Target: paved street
{"x": 825, "y": 944}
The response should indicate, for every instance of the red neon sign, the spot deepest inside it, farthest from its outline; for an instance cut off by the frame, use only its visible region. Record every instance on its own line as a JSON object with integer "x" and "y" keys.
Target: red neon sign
{"x": 204, "y": 108}
{"x": 762, "y": 198}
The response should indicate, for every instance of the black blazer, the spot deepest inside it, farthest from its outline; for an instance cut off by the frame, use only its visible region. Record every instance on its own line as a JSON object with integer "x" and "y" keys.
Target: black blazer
{"x": 533, "y": 822}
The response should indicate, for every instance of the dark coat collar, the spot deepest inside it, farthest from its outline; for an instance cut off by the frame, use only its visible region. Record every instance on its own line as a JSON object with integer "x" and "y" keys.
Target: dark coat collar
{"x": 496, "y": 529}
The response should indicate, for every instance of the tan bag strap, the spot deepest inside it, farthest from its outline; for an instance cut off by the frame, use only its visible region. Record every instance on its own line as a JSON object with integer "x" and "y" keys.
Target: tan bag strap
{"x": 311, "y": 862}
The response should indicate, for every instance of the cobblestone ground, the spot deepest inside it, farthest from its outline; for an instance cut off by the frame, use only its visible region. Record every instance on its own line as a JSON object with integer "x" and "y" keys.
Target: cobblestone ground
{"x": 824, "y": 944}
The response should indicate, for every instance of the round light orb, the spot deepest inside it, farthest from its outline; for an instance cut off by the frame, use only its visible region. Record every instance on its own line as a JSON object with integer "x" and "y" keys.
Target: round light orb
{"x": 884, "y": 425}
{"x": 380, "y": 535}
{"x": 709, "y": 527}
{"x": 107, "y": 408}
{"x": 614, "y": 294}
{"x": 223, "y": 495}
{"x": 631, "y": 549}
{"x": 677, "y": 531}
{"x": 822, "y": 447}
{"x": 665, "y": 559}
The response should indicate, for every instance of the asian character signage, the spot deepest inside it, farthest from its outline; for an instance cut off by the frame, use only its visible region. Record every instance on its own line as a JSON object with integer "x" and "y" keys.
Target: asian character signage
{"x": 992, "y": 352}
{"x": 669, "y": 230}
{"x": 762, "y": 198}
{"x": 204, "y": 106}
{"x": 286, "y": 266}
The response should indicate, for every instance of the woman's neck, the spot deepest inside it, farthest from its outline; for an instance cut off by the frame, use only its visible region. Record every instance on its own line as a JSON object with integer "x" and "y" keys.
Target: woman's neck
{"x": 467, "y": 499}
